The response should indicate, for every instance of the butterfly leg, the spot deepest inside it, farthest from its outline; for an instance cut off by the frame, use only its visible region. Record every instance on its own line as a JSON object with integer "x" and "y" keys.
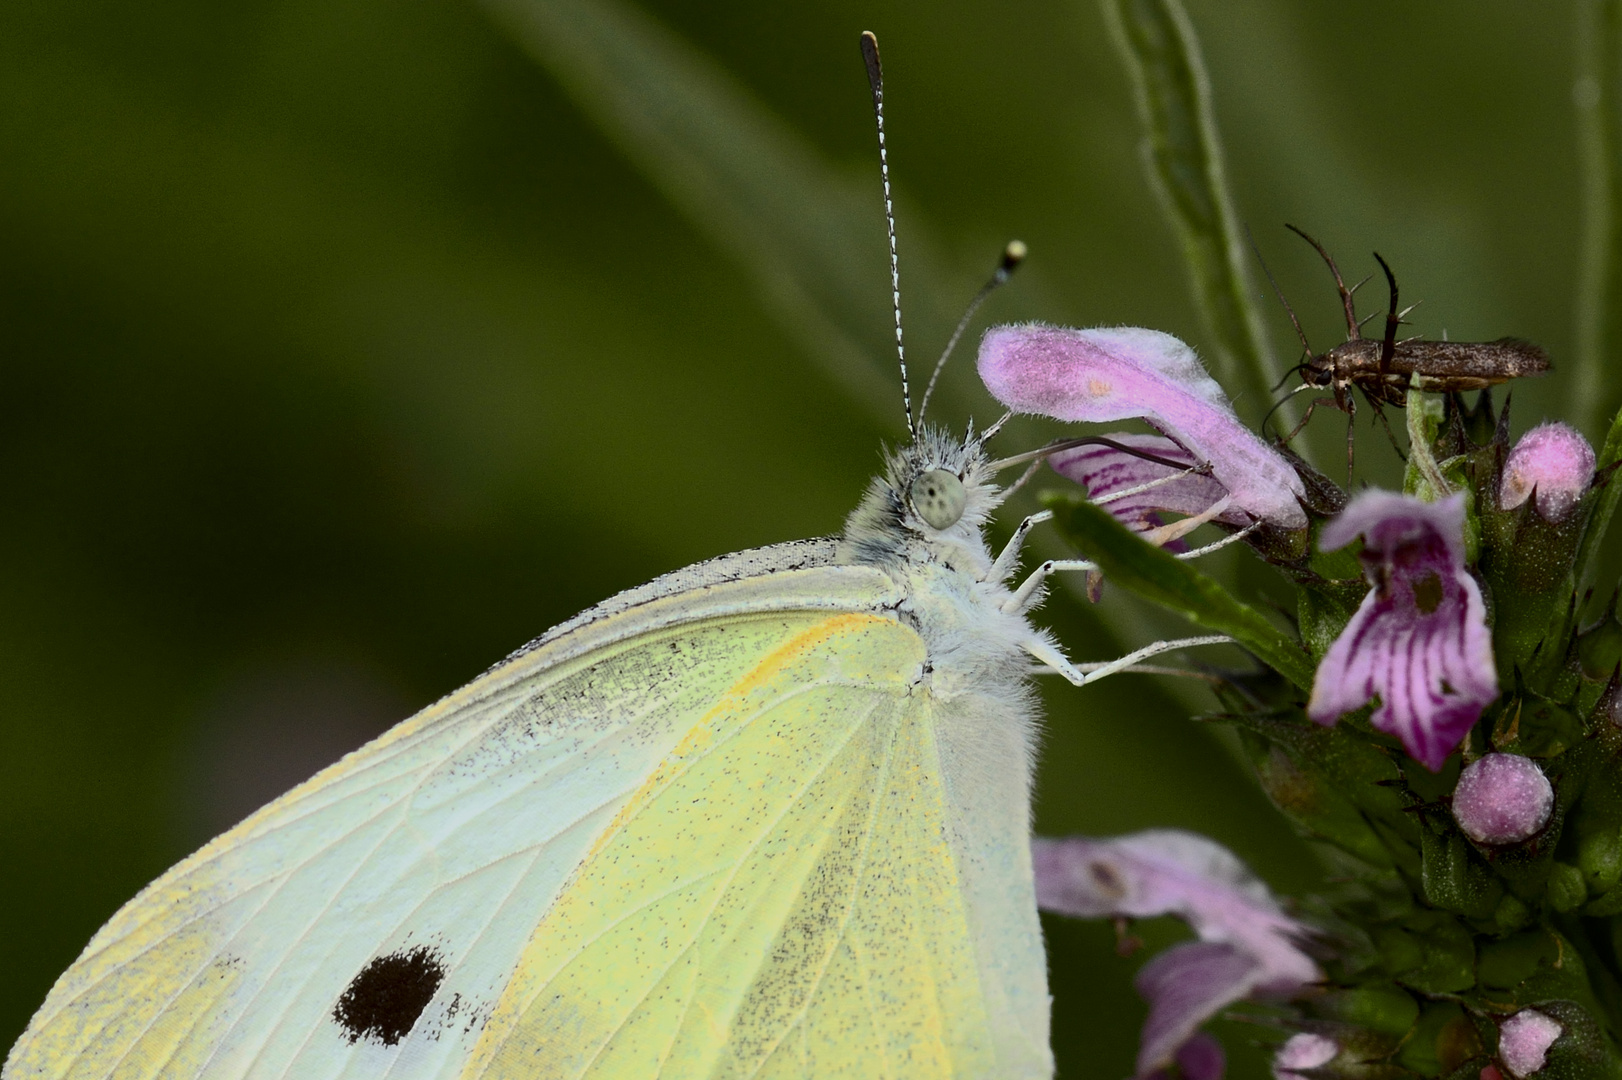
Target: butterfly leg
{"x": 1082, "y": 674}
{"x": 1010, "y": 552}
{"x": 1020, "y": 599}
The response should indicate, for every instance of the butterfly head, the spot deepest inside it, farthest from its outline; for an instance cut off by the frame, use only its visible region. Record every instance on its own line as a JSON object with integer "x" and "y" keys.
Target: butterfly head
{"x": 937, "y": 490}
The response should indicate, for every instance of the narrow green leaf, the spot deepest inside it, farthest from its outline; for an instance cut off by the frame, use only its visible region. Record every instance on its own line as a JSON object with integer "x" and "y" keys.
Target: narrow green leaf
{"x": 811, "y": 236}
{"x": 1598, "y": 99}
{"x": 1184, "y": 159}
{"x": 1157, "y": 575}
{"x": 1588, "y": 554}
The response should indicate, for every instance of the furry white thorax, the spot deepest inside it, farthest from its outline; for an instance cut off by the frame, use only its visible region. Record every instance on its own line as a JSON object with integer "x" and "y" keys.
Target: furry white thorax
{"x": 978, "y": 652}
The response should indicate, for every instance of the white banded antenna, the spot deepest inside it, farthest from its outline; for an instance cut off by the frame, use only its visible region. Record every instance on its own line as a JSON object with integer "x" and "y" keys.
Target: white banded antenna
{"x": 875, "y": 79}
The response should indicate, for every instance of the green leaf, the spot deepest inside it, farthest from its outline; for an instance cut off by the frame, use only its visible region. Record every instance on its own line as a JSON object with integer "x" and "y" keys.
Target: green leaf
{"x": 1184, "y": 159}
{"x": 1588, "y": 553}
{"x": 1157, "y": 575}
{"x": 1598, "y": 98}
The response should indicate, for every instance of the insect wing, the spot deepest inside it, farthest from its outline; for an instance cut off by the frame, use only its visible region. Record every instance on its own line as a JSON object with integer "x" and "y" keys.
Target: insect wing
{"x": 1456, "y": 366}
{"x": 737, "y": 766}
{"x": 779, "y": 900}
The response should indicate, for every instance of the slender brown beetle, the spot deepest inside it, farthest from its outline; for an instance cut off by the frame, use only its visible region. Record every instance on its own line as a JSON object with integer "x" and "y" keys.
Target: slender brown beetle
{"x": 1385, "y": 369}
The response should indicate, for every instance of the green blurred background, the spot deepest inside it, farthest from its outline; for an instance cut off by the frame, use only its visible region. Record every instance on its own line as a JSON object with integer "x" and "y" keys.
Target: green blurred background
{"x": 346, "y": 345}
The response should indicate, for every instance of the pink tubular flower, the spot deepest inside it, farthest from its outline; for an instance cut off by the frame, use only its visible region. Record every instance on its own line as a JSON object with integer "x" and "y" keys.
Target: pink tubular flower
{"x": 1247, "y": 944}
{"x": 1553, "y": 460}
{"x": 1125, "y": 372}
{"x": 1419, "y": 640}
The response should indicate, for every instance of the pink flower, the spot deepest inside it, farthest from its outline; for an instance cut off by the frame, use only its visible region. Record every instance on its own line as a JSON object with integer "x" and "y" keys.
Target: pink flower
{"x": 1127, "y": 372}
{"x": 1502, "y": 799}
{"x": 1419, "y": 640}
{"x": 1524, "y": 1040}
{"x": 1106, "y": 471}
{"x": 1247, "y": 945}
{"x": 1553, "y": 460}
{"x": 1303, "y": 1051}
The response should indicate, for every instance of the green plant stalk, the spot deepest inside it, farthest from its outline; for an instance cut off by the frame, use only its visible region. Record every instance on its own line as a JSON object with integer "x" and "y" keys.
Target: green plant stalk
{"x": 1184, "y": 160}
{"x": 1598, "y": 40}
{"x": 1588, "y": 554}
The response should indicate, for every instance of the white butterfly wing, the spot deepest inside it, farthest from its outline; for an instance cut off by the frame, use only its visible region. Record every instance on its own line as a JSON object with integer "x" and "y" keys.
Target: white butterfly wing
{"x": 701, "y": 830}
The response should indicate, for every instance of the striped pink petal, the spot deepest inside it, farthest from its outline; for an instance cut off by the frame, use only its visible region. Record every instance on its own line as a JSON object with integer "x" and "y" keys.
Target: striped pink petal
{"x": 1106, "y": 471}
{"x": 1419, "y": 641}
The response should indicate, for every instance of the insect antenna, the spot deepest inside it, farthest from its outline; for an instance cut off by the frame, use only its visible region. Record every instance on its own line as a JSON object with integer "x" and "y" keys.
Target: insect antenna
{"x": 875, "y": 80}
{"x": 1293, "y": 369}
{"x": 1012, "y": 256}
{"x": 1388, "y": 347}
{"x": 1279, "y": 404}
{"x": 1288, "y": 310}
{"x": 1346, "y": 300}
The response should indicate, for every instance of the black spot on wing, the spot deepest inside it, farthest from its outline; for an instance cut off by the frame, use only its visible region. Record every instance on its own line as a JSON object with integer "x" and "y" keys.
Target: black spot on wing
{"x": 385, "y": 999}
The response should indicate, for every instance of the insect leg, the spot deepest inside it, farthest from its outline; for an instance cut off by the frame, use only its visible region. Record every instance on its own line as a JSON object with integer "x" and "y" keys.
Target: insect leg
{"x": 1388, "y": 347}
{"x": 1346, "y": 300}
{"x": 1010, "y": 553}
{"x": 1350, "y": 406}
{"x": 1379, "y": 414}
{"x": 1022, "y": 595}
{"x": 1049, "y": 654}
{"x": 1311, "y": 406}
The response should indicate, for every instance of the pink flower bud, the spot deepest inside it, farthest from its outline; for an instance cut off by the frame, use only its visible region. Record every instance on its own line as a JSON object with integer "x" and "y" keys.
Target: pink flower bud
{"x": 1303, "y": 1051}
{"x": 1555, "y": 461}
{"x": 1524, "y": 1040}
{"x": 1502, "y": 799}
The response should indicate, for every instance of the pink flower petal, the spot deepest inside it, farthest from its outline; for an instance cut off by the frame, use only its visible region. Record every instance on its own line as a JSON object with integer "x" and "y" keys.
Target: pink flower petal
{"x": 1124, "y": 372}
{"x": 1419, "y": 640}
{"x": 1185, "y": 986}
{"x": 1105, "y": 470}
{"x": 1247, "y": 944}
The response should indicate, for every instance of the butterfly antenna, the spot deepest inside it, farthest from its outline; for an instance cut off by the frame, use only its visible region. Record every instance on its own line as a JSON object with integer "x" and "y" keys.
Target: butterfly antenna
{"x": 1012, "y": 256}
{"x": 875, "y": 79}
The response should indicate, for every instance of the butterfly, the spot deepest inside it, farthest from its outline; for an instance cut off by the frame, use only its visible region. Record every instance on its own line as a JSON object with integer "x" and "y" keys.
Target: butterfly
{"x": 765, "y": 816}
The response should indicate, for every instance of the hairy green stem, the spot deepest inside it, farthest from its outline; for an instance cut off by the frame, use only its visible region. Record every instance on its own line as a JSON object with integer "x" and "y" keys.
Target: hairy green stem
{"x": 1184, "y": 159}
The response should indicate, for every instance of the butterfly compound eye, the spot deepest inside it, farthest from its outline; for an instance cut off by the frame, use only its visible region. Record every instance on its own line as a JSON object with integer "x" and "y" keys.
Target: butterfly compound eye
{"x": 938, "y": 496}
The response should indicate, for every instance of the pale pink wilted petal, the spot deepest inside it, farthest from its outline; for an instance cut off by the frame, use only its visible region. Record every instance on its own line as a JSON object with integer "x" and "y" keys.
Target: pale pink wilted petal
{"x": 1106, "y": 470}
{"x": 1304, "y": 1050}
{"x": 1185, "y": 986}
{"x": 1524, "y": 1040}
{"x": 1123, "y": 372}
{"x": 1555, "y": 461}
{"x": 1419, "y": 640}
{"x": 1247, "y": 944}
{"x": 1502, "y": 799}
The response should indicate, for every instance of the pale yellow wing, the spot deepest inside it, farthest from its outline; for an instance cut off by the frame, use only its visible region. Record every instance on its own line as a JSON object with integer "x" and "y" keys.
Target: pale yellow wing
{"x": 710, "y": 828}
{"x": 780, "y": 899}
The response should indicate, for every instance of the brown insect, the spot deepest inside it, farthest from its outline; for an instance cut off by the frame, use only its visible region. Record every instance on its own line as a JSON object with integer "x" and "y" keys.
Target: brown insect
{"x": 1385, "y": 369}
